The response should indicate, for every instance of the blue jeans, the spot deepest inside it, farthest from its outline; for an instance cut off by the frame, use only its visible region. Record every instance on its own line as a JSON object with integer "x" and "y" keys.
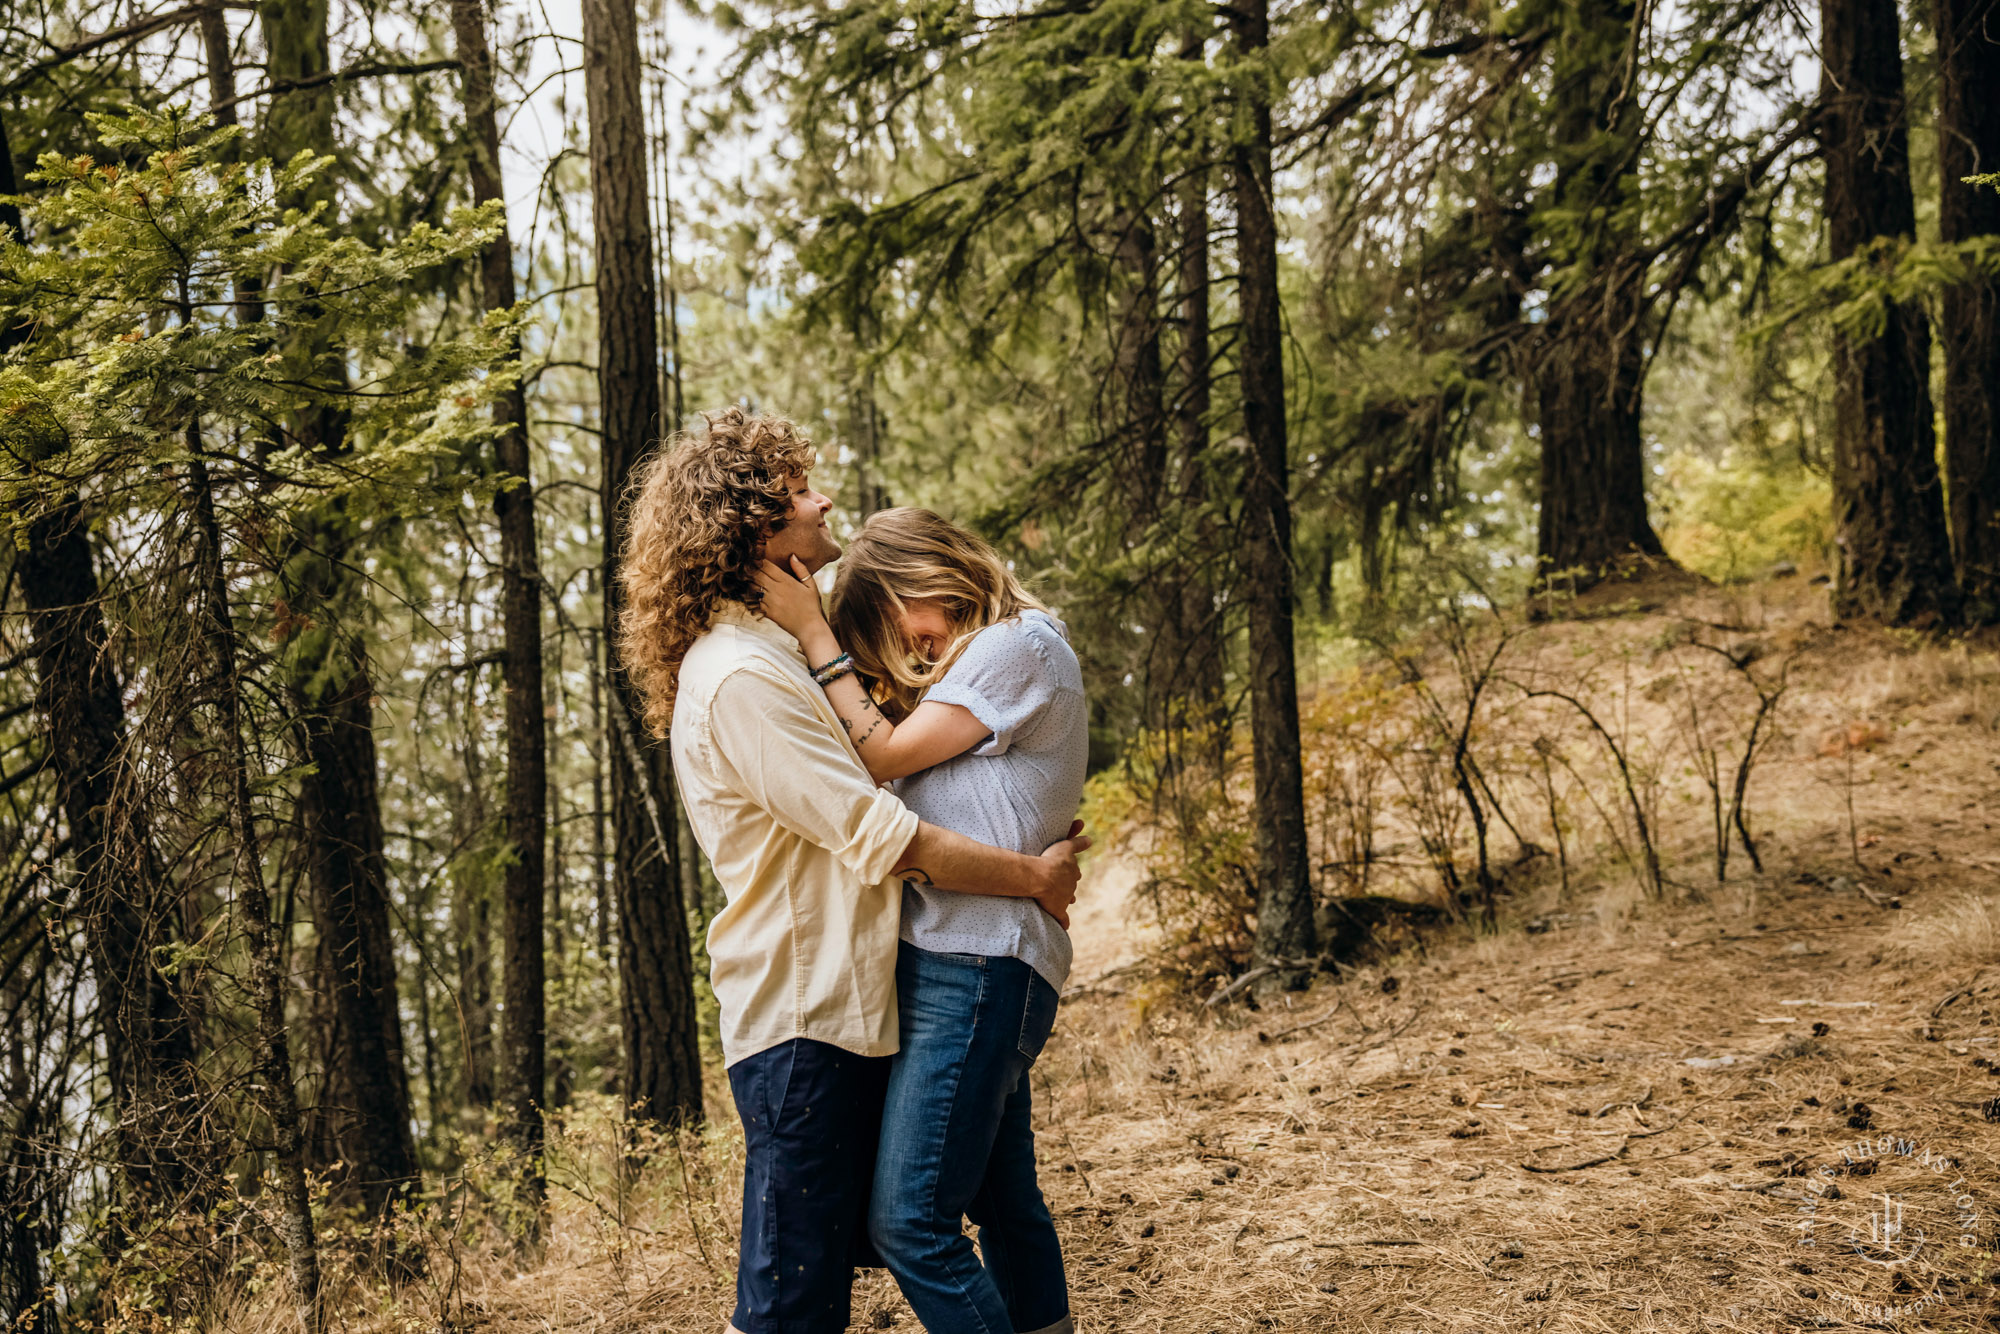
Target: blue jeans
{"x": 956, "y": 1143}
{"x": 811, "y": 1119}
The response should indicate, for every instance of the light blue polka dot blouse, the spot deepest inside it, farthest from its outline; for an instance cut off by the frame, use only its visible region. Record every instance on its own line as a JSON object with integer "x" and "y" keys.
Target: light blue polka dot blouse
{"x": 1017, "y": 789}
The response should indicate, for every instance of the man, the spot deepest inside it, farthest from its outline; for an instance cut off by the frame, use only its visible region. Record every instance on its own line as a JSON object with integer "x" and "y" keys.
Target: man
{"x": 809, "y": 851}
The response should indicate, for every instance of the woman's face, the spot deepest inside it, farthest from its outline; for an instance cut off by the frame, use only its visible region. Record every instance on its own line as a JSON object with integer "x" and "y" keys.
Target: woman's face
{"x": 926, "y": 627}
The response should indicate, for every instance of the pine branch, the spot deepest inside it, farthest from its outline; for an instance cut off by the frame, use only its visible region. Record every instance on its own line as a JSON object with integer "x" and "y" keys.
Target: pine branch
{"x": 369, "y": 70}
{"x": 137, "y": 30}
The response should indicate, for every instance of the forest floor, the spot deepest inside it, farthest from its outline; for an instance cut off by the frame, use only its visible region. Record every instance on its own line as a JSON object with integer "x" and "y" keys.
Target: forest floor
{"x": 1610, "y": 1113}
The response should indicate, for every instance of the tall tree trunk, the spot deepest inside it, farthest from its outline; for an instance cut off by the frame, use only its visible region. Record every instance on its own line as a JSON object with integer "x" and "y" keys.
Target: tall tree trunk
{"x": 30, "y": 1225}
{"x": 600, "y": 860}
{"x": 1172, "y": 661}
{"x": 1584, "y": 361}
{"x": 331, "y": 689}
{"x": 473, "y": 919}
{"x": 121, "y": 901}
{"x": 426, "y": 1024}
{"x": 221, "y": 64}
{"x": 864, "y": 430}
{"x": 1136, "y": 362}
{"x": 1968, "y": 38}
{"x": 524, "y": 1039}
{"x": 1284, "y": 891}
{"x": 1888, "y": 504}
{"x": 271, "y": 1048}
{"x": 655, "y": 965}
{"x": 1585, "y": 396}
{"x": 1198, "y": 646}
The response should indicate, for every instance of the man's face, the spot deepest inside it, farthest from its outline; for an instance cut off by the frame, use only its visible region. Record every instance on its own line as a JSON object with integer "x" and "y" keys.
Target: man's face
{"x": 805, "y": 534}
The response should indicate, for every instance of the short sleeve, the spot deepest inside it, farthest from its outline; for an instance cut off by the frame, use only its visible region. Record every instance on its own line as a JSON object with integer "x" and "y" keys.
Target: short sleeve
{"x": 1003, "y": 678}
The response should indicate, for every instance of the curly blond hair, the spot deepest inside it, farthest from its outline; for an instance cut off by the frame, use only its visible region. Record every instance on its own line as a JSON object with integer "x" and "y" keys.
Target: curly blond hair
{"x": 697, "y": 510}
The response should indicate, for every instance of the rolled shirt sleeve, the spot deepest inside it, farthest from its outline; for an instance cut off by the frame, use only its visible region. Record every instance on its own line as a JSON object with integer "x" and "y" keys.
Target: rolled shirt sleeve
{"x": 773, "y": 746}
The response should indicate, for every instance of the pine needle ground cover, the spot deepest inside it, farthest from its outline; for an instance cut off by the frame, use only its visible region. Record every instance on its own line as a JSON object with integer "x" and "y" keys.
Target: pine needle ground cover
{"x": 1612, "y": 1113}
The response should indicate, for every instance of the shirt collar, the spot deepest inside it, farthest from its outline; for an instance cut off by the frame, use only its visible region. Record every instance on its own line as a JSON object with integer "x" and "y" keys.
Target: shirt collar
{"x": 731, "y": 611}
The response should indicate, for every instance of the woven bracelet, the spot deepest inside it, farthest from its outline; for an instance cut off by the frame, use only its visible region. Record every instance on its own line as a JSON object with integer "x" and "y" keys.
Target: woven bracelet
{"x": 827, "y": 673}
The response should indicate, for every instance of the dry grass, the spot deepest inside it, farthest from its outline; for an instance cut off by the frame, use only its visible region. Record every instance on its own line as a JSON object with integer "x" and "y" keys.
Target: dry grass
{"x": 1504, "y": 1131}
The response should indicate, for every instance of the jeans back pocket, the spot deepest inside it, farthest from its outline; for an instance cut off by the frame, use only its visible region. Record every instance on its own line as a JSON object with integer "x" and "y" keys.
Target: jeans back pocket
{"x": 1038, "y": 1016}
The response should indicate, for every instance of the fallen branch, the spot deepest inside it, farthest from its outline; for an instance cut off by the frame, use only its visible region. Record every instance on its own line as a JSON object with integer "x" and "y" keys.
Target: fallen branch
{"x": 1956, "y": 996}
{"x": 1339, "y": 1004}
{"x": 1578, "y": 1167}
{"x": 1244, "y": 981}
{"x": 1624, "y": 1143}
{"x": 1634, "y": 1103}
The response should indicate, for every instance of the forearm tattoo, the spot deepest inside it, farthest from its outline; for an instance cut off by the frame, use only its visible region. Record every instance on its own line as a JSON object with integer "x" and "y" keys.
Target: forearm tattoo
{"x": 862, "y": 740}
{"x": 918, "y": 874}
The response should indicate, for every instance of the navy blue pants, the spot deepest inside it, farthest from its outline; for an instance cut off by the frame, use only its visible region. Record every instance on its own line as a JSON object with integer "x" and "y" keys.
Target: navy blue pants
{"x": 811, "y": 1116}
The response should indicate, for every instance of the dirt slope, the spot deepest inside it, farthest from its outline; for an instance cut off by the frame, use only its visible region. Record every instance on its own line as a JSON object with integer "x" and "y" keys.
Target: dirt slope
{"x": 1630, "y": 1118}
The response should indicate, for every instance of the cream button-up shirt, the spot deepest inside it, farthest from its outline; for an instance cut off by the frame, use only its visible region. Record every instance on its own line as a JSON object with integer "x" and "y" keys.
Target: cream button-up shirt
{"x": 802, "y": 841}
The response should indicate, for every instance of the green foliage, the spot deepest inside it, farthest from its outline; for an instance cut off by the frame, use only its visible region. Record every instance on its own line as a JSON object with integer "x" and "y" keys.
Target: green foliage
{"x": 1855, "y": 295}
{"x": 140, "y": 357}
{"x": 1736, "y": 517}
{"x": 1198, "y": 853}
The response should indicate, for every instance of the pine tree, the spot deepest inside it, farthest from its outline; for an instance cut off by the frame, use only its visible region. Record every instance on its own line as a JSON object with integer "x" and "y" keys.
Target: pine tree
{"x": 144, "y": 386}
{"x": 525, "y": 1037}
{"x": 1895, "y": 555}
{"x": 365, "y": 1105}
{"x": 655, "y": 961}
{"x": 1968, "y": 111}
{"x": 1284, "y": 889}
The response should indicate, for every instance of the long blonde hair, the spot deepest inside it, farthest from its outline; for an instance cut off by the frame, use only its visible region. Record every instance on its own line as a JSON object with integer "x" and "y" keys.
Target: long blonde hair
{"x": 901, "y": 555}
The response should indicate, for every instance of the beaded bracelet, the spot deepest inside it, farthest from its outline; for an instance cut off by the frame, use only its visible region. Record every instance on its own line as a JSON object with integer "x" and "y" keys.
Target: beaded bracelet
{"x": 827, "y": 673}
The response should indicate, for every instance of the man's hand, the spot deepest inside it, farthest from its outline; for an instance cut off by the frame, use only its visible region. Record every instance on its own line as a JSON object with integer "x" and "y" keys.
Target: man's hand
{"x": 945, "y": 860}
{"x": 1058, "y": 865}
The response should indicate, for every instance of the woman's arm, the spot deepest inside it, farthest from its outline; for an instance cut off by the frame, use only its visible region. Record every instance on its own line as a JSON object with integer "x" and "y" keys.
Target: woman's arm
{"x": 932, "y": 734}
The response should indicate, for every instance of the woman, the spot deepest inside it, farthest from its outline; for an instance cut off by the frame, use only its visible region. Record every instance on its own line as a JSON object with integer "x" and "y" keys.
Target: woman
{"x": 960, "y": 687}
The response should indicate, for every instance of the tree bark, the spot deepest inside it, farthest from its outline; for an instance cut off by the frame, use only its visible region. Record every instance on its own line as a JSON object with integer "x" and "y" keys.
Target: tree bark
{"x": 1968, "y": 38}
{"x": 472, "y": 934}
{"x": 524, "y": 1037}
{"x": 121, "y": 900}
{"x": 1284, "y": 891}
{"x": 600, "y": 859}
{"x": 1888, "y": 504}
{"x": 1585, "y": 396}
{"x": 30, "y": 1117}
{"x": 1140, "y": 371}
{"x": 1585, "y": 360}
{"x": 864, "y": 428}
{"x": 329, "y": 683}
{"x": 1197, "y": 671}
{"x": 655, "y": 965}
{"x": 271, "y": 1049}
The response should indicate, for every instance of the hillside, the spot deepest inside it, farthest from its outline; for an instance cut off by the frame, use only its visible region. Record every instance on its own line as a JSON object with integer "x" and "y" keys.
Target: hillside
{"x": 1607, "y": 1113}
